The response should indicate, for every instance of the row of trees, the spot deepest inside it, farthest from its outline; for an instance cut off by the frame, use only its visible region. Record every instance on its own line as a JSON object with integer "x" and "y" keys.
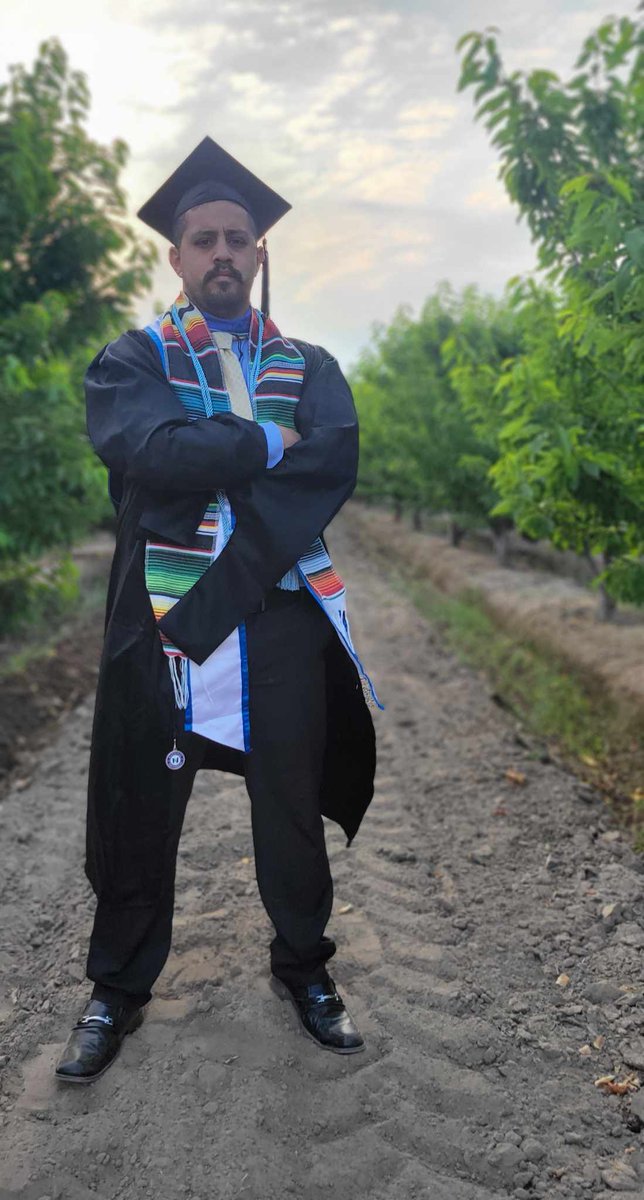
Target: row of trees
{"x": 69, "y": 271}
{"x": 529, "y": 410}
{"x": 526, "y": 410}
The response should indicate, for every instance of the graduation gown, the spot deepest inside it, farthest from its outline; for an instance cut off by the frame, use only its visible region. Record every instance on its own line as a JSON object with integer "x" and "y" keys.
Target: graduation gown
{"x": 163, "y": 471}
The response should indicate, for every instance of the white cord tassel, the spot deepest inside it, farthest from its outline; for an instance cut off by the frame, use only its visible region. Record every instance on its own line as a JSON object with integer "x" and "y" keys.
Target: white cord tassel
{"x": 179, "y": 675}
{"x": 224, "y": 517}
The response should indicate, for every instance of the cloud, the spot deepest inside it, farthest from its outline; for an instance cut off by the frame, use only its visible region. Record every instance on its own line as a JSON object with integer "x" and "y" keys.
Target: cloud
{"x": 425, "y": 122}
{"x": 349, "y": 108}
{"x": 488, "y": 194}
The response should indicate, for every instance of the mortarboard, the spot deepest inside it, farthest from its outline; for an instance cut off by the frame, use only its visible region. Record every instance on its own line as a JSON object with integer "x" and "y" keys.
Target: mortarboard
{"x": 210, "y": 173}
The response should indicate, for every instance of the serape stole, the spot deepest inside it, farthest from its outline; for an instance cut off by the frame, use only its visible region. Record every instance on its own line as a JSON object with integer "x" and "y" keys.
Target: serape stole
{"x": 192, "y": 365}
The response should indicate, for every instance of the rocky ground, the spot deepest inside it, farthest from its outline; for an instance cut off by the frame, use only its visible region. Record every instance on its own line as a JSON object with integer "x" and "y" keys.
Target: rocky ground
{"x": 490, "y": 927}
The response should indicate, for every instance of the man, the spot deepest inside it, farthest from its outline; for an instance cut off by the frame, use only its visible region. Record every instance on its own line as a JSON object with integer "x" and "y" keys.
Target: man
{"x": 227, "y": 645}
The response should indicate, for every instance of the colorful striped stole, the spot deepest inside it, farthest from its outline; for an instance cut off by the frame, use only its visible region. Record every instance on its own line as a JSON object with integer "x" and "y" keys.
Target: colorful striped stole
{"x": 191, "y": 362}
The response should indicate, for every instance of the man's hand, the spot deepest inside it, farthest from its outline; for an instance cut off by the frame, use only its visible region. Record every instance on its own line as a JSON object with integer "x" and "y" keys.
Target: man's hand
{"x": 289, "y": 436}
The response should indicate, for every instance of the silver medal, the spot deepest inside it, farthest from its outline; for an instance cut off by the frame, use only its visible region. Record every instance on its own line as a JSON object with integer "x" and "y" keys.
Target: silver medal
{"x": 175, "y": 759}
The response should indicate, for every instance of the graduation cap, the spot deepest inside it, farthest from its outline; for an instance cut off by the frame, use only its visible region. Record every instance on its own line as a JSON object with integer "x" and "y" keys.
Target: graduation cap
{"x": 210, "y": 173}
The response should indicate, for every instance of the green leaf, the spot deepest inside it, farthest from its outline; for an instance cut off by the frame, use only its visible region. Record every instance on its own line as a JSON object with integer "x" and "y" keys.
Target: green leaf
{"x": 466, "y": 39}
{"x": 622, "y": 282}
{"x": 572, "y": 187}
{"x": 634, "y": 243}
{"x": 621, "y": 186}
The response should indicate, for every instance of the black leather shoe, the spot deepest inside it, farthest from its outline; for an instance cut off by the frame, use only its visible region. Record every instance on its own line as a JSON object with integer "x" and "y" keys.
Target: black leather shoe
{"x": 96, "y": 1040}
{"x": 322, "y": 1014}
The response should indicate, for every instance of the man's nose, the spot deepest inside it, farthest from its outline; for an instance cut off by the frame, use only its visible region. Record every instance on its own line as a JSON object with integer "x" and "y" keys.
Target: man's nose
{"x": 222, "y": 253}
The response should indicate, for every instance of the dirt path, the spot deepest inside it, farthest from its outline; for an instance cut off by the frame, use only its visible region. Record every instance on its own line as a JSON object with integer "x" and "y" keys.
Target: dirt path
{"x": 470, "y": 896}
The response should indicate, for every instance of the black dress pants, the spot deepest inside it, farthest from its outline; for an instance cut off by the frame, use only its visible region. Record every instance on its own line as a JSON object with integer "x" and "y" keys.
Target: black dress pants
{"x": 286, "y": 643}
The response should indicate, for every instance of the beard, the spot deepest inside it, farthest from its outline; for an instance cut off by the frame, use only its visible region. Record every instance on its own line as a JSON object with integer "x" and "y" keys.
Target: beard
{"x": 222, "y": 295}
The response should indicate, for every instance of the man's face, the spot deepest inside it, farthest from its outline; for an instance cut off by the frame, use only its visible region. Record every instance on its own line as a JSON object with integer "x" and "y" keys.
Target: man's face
{"x": 217, "y": 257}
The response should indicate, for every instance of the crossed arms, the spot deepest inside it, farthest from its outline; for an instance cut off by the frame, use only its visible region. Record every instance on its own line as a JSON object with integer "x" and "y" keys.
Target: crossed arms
{"x": 140, "y": 429}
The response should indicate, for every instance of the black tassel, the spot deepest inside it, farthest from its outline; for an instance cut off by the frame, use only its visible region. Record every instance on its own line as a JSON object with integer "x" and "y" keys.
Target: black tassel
{"x": 265, "y": 281}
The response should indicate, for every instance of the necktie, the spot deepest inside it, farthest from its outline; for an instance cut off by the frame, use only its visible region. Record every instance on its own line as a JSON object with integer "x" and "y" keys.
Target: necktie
{"x": 233, "y": 375}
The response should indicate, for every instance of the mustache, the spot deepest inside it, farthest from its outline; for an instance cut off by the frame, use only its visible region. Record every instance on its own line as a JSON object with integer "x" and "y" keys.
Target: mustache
{"x": 229, "y": 272}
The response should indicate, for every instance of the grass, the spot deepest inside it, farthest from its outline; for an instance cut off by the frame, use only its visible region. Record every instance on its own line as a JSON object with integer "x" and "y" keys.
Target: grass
{"x": 576, "y": 723}
{"x": 549, "y": 700}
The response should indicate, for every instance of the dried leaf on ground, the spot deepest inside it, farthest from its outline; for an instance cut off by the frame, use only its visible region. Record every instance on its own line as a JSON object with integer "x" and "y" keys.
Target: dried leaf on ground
{"x": 515, "y": 776}
{"x": 615, "y": 1087}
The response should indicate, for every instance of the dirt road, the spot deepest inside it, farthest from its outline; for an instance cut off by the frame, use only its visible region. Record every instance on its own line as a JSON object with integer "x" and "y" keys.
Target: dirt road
{"x": 465, "y": 903}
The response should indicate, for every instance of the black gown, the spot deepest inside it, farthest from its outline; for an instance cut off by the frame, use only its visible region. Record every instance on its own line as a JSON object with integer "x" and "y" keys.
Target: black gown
{"x": 163, "y": 471}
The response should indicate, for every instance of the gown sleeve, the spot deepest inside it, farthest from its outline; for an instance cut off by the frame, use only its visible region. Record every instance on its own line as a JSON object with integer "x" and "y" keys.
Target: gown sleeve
{"x": 139, "y": 428}
{"x": 277, "y": 516}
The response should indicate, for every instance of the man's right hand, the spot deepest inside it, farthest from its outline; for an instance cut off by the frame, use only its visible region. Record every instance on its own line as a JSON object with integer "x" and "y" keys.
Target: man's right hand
{"x": 289, "y": 436}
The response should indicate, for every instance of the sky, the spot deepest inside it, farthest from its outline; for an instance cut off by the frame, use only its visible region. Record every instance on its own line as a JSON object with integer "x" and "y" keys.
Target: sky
{"x": 348, "y": 108}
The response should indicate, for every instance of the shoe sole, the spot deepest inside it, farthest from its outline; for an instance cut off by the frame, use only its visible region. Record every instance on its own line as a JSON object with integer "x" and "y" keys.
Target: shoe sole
{"x": 81, "y": 1079}
{"x": 282, "y": 991}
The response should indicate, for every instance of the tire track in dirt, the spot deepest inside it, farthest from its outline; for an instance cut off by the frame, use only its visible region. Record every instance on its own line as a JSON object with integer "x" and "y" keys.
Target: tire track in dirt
{"x": 472, "y": 1086}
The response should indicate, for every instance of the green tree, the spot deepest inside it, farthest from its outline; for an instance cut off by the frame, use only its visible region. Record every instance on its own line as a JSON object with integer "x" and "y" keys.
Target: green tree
{"x": 63, "y": 225}
{"x": 391, "y": 391}
{"x": 52, "y": 486}
{"x": 425, "y": 444}
{"x": 572, "y": 159}
{"x": 483, "y": 337}
{"x": 70, "y": 270}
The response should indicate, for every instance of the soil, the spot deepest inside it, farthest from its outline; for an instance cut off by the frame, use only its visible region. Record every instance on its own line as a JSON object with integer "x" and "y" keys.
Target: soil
{"x": 45, "y": 674}
{"x": 556, "y": 614}
{"x": 490, "y": 927}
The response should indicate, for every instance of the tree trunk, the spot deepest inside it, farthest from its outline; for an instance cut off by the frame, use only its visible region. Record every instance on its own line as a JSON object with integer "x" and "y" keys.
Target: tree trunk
{"x": 398, "y": 510}
{"x": 456, "y": 533}
{"x": 607, "y": 604}
{"x": 501, "y": 527}
{"x": 587, "y": 557}
{"x": 501, "y": 547}
{"x": 417, "y": 519}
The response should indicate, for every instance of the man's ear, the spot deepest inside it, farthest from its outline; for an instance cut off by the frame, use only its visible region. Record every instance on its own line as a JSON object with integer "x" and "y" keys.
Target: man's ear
{"x": 260, "y": 255}
{"x": 175, "y": 260}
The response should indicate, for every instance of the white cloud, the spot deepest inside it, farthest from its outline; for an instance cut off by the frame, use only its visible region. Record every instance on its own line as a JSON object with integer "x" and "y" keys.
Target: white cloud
{"x": 488, "y": 193}
{"x": 348, "y": 107}
{"x": 489, "y": 199}
{"x": 343, "y": 25}
{"x": 252, "y": 92}
{"x": 432, "y": 110}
